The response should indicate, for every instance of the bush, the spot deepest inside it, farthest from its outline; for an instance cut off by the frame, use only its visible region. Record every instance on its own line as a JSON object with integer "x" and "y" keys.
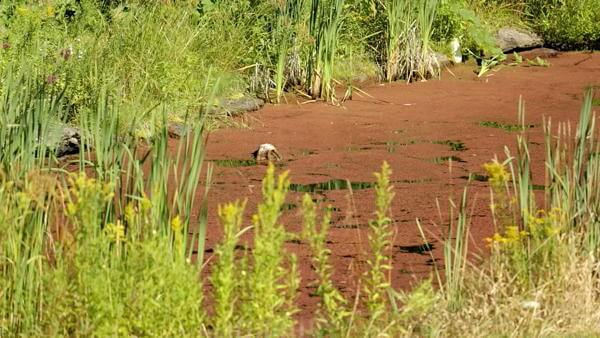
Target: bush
{"x": 455, "y": 19}
{"x": 568, "y": 24}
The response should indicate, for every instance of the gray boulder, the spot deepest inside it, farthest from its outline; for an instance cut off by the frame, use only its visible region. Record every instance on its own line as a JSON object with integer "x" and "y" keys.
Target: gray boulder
{"x": 63, "y": 139}
{"x": 177, "y": 129}
{"x": 510, "y": 39}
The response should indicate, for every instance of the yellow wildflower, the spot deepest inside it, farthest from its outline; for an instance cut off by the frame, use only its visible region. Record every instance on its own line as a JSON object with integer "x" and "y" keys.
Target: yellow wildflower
{"x": 497, "y": 173}
{"x": 145, "y": 204}
{"x": 129, "y": 213}
{"x": 22, "y": 10}
{"x": 176, "y": 224}
{"x": 71, "y": 209}
{"x": 115, "y": 232}
{"x": 49, "y": 11}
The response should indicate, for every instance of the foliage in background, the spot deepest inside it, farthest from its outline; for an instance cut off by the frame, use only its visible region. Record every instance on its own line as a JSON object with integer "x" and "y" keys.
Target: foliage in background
{"x": 145, "y": 53}
{"x": 564, "y": 24}
{"x": 567, "y": 25}
{"x": 458, "y": 19}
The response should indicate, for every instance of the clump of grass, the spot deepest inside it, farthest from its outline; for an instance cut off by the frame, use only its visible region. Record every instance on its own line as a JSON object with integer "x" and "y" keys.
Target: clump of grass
{"x": 408, "y": 32}
{"x": 325, "y": 20}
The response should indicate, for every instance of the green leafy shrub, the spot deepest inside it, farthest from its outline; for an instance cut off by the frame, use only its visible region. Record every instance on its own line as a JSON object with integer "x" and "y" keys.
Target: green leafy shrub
{"x": 456, "y": 19}
{"x": 569, "y": 24}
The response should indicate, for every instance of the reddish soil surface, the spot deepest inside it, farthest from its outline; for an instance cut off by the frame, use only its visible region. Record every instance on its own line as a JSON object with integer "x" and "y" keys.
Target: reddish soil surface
{"x": 408, "y": 126}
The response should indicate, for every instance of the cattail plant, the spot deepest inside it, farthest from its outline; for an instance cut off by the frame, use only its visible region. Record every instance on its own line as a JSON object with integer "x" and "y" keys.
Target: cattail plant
{"x": 289, "y": 20}
{"x": 408, "y": 31}
{"x": 326, "y": 17}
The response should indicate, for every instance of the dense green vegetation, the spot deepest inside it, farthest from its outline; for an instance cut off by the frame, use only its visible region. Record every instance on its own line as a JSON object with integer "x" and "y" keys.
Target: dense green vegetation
{"x": 101, "y": 247}
{"x": 565, "y": 24}
{"x": 179, "y": 54}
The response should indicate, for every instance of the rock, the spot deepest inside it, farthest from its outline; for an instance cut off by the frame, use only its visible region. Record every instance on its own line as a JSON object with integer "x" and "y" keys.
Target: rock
{"x": 177, "y": 130}
{"x": 510, "y": 39}
{"x": 238, "y": 106}
{"x": 70, "y": 142}
{"x": 231, "y": 107}
{"x": 266, "y": 153}
{"x": 543, "y": 53}
{"x": 63, "y": 139}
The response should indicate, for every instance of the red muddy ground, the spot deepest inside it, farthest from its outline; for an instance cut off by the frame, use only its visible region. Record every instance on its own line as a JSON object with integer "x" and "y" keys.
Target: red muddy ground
{"x": 398, "y": 124}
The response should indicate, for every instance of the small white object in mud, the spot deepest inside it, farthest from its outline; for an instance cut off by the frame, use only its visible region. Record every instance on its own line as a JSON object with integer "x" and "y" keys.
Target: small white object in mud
{"x": 267, "y": 153}
{"x": 456, "y": 52}
{"x": 530, "y": 305}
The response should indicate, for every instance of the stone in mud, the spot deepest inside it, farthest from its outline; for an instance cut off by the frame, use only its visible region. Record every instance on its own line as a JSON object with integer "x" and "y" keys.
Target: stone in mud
{"x": 238, "y": 106}
{"x": 510, "y": 39}
{"x": 63, "y": 139}
{"x": 177, "y": 130}
{"x": 543, "y": 53}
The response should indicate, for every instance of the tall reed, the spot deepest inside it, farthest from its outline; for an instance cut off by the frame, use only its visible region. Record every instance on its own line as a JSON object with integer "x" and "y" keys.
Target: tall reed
{"x": 289, "y": 22}
{"x": 408, "y": 32}
{"x": 326, "y": 18}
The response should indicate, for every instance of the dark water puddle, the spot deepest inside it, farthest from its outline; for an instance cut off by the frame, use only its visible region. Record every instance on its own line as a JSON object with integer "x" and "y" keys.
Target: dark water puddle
{"x": 475, "y": 177}
{"x": 432, "y": 262}
{"x": 337, "y": 184}
{"x": 420, "y": 249}
{"x": 505, "y": 126}
{"x": 415, "y": 181}
{"x": 240, "y": 247}
{"x": 455, "y": 145}
{"x": 307, "y": 152}
{"x": 485, "y": 178}
{"x": 357, "y": 148}
{"x": 444, "y": 159}
{"x": 390, "y": 146}
{"x": 334, "y": 184}
{"x": 288, "y": 206}
{"x": 350, "y": 226}
{"x": 235, "y": 163}
{"x": 239, "y": 163}
{"x": 411, "y": 142}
